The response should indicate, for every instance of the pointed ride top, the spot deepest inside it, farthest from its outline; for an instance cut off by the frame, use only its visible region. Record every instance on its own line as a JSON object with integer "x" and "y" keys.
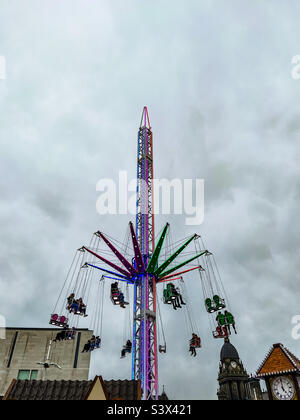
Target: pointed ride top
{"x": 145, "y": 119}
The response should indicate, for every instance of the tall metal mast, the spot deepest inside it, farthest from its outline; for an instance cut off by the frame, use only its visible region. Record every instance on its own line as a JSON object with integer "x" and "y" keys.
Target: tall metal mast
{"x": 144, "y": 362}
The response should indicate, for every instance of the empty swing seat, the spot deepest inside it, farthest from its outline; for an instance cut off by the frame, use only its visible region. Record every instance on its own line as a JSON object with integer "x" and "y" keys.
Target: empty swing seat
{"x": 210, "y": 307}
{"x": 60, "y": 321}
{"x": 162, "y": 348}
{"x": 214, "y": 304}
{"x": 63, "y": 321}
{"x": 53, "y": 319}
{"x": 219, "y": 302}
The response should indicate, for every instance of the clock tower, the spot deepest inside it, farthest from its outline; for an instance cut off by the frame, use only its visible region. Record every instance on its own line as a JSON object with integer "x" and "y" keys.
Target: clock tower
{"x": 233, "y": 378}
{"x": 281, "y": 372}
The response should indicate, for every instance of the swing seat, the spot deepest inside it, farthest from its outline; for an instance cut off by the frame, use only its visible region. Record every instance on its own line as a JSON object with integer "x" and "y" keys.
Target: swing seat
{"x": 220, "y": 333}
{"x": 168, "y": 295}
{"x": 196, "y": 343}
{"x": 78, "y": 312}
{"x": 63, "y": 321}
{"x": 167, "y": 301}
{"x": 219, "y": 302}
{"x": 53, "y": 319}
{"x": 60, "y": 321}
{"x": 162, "y": 348}
{"x": 210, "y": 307}
{"x": 115, "y": 298}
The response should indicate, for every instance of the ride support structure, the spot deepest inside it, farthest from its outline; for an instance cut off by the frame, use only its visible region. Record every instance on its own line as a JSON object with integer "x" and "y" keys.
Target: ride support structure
{"x": 142, "y": 266}
{"x": 144, "y": 354}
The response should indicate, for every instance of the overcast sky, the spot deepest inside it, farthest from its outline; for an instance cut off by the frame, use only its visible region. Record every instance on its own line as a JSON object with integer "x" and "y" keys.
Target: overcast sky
{"x": 216, "y": 76}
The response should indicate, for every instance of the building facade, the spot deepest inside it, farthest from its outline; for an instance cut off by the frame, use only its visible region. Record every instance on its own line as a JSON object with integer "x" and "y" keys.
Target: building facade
{"x": 24, "y": 348}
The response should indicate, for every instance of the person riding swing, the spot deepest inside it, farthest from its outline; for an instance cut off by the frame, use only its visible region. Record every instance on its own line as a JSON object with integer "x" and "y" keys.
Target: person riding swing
{"x": 70, "y": 300}
{"x": 230, "y": 321}
{"x": 126, "y": 349}
{"x": 193, "y": 345}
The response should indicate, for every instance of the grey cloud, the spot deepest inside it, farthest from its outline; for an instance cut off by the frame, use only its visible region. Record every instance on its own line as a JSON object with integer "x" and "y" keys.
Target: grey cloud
{"x": 223, "y": 106}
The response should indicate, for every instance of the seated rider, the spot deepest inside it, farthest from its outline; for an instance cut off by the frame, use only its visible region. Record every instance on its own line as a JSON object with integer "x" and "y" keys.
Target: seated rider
{"x": 126, "y": 349}
{"x": 114, "y": 288}
{"x": 87, "y": 347}
{"x": 192, "y": 345}
{"x": 92, "y": 343}
{"x": 178, "y": 299}
{"x": 82, "y": 307}
{"x": 222, "y": 323}
{"x": 221, "y": 319}
{"x": 121, "y": 298}
{"x": 230, "y": 321}
{"x": 71, "y": 333}
{"x": 172, "y": 295}
{"x": 222, "y": 331}
{"x": 75, "y": 306}
{"x": 58, "y": 337}
{"x": 70, "y": 300}
{"x": 128, "y": 346}
{"x": 98, "y": 342}
{"x": 172, "y": 289}
{"x": 197, "y": 342}
{"x": 62, "y": 335}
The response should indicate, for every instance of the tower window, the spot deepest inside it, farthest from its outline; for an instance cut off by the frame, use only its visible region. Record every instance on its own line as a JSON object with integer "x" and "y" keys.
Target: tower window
{"x": 27, "y": 374}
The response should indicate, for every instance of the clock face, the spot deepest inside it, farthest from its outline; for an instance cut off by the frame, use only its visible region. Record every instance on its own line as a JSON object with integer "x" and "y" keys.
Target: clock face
{"x": 234, "y": 365}
{"x": 283, "y": 388}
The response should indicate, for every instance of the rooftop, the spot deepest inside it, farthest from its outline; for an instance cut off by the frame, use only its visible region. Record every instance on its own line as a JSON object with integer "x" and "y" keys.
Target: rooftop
{"x": 71, "y": 390}
{"x": 228, "y": 351}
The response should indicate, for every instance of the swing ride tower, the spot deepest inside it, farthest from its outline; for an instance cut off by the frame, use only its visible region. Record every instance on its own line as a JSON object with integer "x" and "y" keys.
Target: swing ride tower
{"x": 144, "y": 353}
{"x": 143, "y": 267}
{"x": 145, "y": 271}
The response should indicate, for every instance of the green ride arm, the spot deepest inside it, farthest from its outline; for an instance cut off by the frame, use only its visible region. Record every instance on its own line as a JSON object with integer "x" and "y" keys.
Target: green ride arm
{"x": 181, "y": 265}
{"x": 156, "y": 253}
{"x": 158, "y": 271}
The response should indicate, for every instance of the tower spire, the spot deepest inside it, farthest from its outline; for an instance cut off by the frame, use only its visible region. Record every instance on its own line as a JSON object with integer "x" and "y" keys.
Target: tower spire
{"x": 145, "y": 119}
